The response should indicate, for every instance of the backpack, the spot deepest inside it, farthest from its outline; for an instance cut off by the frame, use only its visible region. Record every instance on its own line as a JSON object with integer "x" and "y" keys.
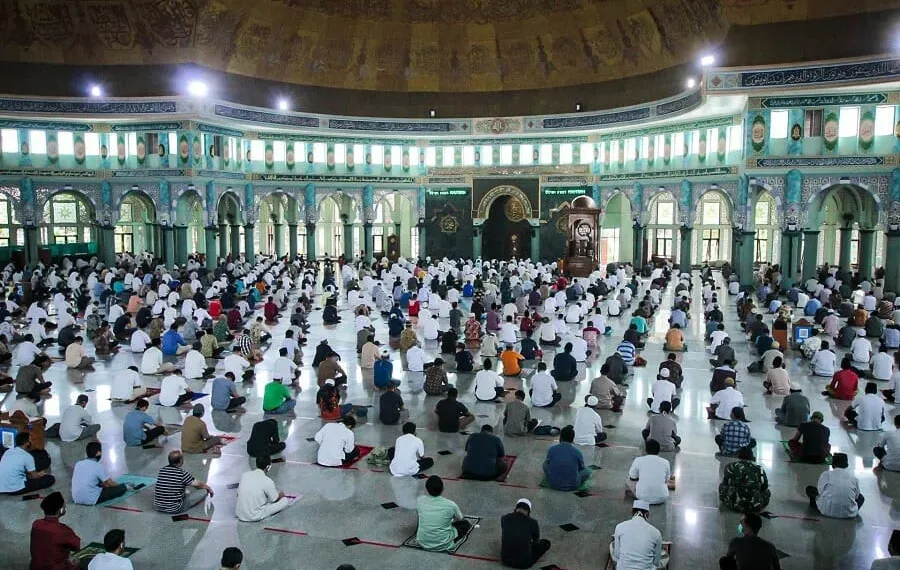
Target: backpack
{"x": 379, "y": 457}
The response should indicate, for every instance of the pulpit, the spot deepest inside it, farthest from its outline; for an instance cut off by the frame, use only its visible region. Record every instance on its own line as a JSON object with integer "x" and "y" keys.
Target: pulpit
{"x": 583, "y": 236}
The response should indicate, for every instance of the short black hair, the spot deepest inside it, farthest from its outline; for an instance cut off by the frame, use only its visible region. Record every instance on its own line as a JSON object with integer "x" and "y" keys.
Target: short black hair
{"x": 434, "y": 485}
{"x": 754, "y": 521}
{"x": 567, "y": 434}
{"x": 92, "y": 449}
{"x": 652, "y": 447}
{"x": 231, "y": 557}
{"x": 409, "y": 427}
{"x": 113, "y": 539}
{"x": 263, "y": 461}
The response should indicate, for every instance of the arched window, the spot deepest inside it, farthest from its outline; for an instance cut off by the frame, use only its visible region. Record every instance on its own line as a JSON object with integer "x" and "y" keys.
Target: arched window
{"x": 765, "y": 221}
{"x": 383, "y": 225}
{"x": 330, "y": 229}
{"x": 712, "y": 235}
{"x": 67, "y": 219}
{"x": 133, "y": 232}
{"x": 11, "y": 232}
{"x": 663, "y": 226}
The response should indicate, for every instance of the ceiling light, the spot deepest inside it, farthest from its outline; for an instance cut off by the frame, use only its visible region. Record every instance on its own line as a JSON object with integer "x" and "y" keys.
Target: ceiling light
{"x": 283, "y": 104}
{"x": 96, "y": 91}
{"x": 198, "y": 89}
{"x": 432, "y": 113}
{"x": 691, "y": 83}
{"x": 577, "y": 107}
{"x": 707, "y": 60}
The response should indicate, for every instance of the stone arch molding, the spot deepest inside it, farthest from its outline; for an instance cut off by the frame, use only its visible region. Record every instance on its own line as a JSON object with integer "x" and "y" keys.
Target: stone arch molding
{"x": 484, "y": 207}
{"x": 875, "y": 186}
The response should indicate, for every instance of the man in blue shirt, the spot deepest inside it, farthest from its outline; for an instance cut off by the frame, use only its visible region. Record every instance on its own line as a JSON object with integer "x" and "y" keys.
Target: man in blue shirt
{"x": 811, "y": 307}
{"x": 225, "y": 395}
{"x": 173, "y": 343}
{"x": 564, "y": 467}
{"x": 484, "y": 456}
{"x": 18, "y": 473}
{"x": 91, "y": 484}
{"x": 139, "y": 428}
{"x": 678, "y": 317}
{"x": 565, "y": 367}
{"x": 384, "y": 371}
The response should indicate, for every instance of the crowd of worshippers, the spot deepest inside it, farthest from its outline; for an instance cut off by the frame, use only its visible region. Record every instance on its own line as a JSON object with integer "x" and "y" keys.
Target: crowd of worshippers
{"x": 193, "y": 313}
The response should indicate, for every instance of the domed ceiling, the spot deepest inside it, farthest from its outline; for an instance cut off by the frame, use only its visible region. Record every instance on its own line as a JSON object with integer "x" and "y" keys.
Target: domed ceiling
{"x": 401, "y": 46}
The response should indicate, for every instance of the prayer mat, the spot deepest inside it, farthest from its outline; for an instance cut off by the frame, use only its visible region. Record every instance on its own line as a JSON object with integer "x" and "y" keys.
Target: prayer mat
{"x": 666, "y": 557}
{"x": 133, "y": 481}
{"x": 791, "y": 458}
{"x": 197, "y": 395}
{"x": 585, "y": 487}
{"x": 95, "y": 548}
{"x": 147, "y": 393}
{"x": 411, "y": 542}
{"x": 226, "y": 439}
{"x": 510, "y": 461}
{"x": 363, "y": 451}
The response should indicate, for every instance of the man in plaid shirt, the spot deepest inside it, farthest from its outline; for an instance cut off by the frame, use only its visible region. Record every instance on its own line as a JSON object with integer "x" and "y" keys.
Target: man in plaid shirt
{"x": 735, "y": 434}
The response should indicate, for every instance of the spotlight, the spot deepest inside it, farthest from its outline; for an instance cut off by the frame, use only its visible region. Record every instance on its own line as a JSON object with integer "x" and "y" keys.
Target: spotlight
{"x": 577, "y": 107}
{"x": 691, "y": 82}
{"x": 432, "y": 113}
{"x": 96, "y": 91}
{"x": 198, "y": 89}
{"x": 283, "y": 104}
{"x": 707, "y": 60}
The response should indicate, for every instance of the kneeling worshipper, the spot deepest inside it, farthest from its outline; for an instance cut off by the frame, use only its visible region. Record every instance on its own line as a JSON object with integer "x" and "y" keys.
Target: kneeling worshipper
{"x": 484, "y": 456}
{"x": 264, "y": 439}
{"x": 408, "y": 454}
{"x": 521, "y": 544}
{"x": 91, "y": 484}
{"x": 18, "y": 472}
{"x": 836, "y": 494}
{"x": 257, "y": 497}
{"x": 744, "y": 487}
{"x": 637, "y": 545}
{"x": 564, "y": 466}
{"x": 195, "y": 436}
{"x": 441, "y": 523}
{"x": 52, "y": 542}
{"x": 649, "y": 476}
{"x": 170, "y": 495}
{"x": 336, "y": 443}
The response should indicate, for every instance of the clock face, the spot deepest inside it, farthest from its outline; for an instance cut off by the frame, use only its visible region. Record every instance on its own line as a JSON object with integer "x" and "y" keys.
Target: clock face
{"x": 584, "y": 230}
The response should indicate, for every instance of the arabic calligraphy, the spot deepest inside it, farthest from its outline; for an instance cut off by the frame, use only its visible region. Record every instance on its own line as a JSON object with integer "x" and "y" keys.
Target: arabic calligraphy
{"x": 821, "y": 74}
{"x": 823, "y": 100}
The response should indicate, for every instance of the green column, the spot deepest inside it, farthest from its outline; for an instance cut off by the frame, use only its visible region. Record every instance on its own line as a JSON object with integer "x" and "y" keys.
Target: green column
{"x": 32, "y": 240}
{"x": 279, "y": 240}
{"x": 844, "y": 257}
{"x": 684, "y": 261}
{"x": 637, "y": 257}
{"x": 535, "y": 243}
{"x": 235, "y": 241}
{"x": 249, "y": 252}
{"x": 181, "y": 246}
{"x": 106, "y": 245}
{"x": 348, "y": 243}
{"x": 223, "y": 240}
{"x": 476, "y": 243}
{"x": 810, "y": 253}
{"x": 212, "y": 236}
{"x": 168, "y": 239}
{"x": 369, "y": 242}
{"x": 745, "y": 257}
{"x": 421, "y": 252}
{"x": 292, "y": 240}
{"x": 891, "y": 267}
{"x": 790, "y": 258}
{"x": 736, "y": 241}
{"x": 867, "y": 253}
{"x": 311, "y": 242}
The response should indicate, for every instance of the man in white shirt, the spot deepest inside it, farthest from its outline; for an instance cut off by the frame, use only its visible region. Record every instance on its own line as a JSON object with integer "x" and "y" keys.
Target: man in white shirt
{"x": 544, "y": 391}
{"x": 866, "y": 412}
{"x": 115, "y": 311}
{"x": 723, "y": 401}
{"x": 614, "y": 307}
{"x": 648, "y": 477}
{"x": 174, "y": 391}
{"x": 888, "y": 449}
{"x": 548, "y": 333}
{"x": 112, "y": 559}
{"x": 861, "y": 348}
{"x": 716, "y": 338}
{"x": 337, "y": 443}
{"x": 415, "y": 359}
{"x": 882, "y": 364}
{"x": 284, "y": 370}
{"x": 837, "y": 493}
{"x": 508, "y": 332}
{"x": 75, "y": 422}
{"x": 823, "y": 361}
{"x": 430, "y": 328}
{"x": 195, "y": 365}
{"x": 663, "y": 391}
{"x": 574, "y": 313}
{"x": 126, "y": 385}
{"x": 636, "y": 543}
{"x": 257, "y": 497}
{"x": 580, "y": 350}
{"x": 26, "y": 352}
{"x": 408, "y": 454}
{"x": 139, "y": 341}
{"x": 152, "y": 360}
{"x": 237, "y": 365}
{"x": 188, "y": 306}
{"x": 589, "y": 424}
{"x": 488, "y": 384}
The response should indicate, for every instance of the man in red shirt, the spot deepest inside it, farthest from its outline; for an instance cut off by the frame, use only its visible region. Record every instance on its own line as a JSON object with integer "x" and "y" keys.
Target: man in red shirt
{"x": 270, "y": 310}
{"x": 51, "y": 541}
{"x": 845, "y": 382}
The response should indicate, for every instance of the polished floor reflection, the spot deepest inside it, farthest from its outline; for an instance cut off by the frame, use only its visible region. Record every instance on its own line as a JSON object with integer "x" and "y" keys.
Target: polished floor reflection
{"x": 337, "y": 504}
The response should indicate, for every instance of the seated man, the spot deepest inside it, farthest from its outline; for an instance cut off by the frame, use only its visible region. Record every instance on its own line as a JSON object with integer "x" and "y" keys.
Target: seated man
{"x": 744, "y": 487}
{"x": 139, "y": 428}
{"x": 675, "y": 339}
{"x": 836, "y": 494}
{"x": 866, "y": 412}
{"x": 195, "y": 436}
{"x": 723, "y": 401}
{"x": 648, "y": 476}
{"x": 257, "y": 496}
{"x": 845, "y": 383}
{"x": 174, "y": 391}
{"x": 452, "y": 414}
{"x": 488, "y": 384}
{"x": 589, "y": 424}
{"x": 521, "y": 545}
{"x": 225, "y": 397}
{"x": 662, "y": 428}
{"x": 436, "y": 381}
{"x": 608, "y": 394}
{"x": 749, "y": 550}
{"x": 636, "y": 543}
{"x": 277, "y": 399}
{"x": 663, "y": 391}
{"x": 337, "y": 444}
{"x": 735, "y": 435}
{"x": 170, "y": 495}
{"x": 544, "y": 390}
{"x": 75, "y": 422}
{"x": 511, "y": 359}
{"x": 564, "y": 467}
{"x": 794, "y": 410}
{"x": 441, "y": 523}
{"x": 264, "y": 439}
{"x": 565, "y": 367}
{"x": 391, "y": 410}
{"x": 408, "y": 454}
{"x": 888, "y": 449}
{"x": 676, "y": 374}
{"x": 484, "y": 456}
{"x": 52, "y": 542}
{"x": 517, "y": 418}
{"x": 91, "y": 484}
{"x": 814, "y": 447}
{"x": 18, "y": 473}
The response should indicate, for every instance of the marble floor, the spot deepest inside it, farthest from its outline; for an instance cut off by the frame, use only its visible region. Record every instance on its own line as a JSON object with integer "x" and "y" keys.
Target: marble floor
{"x": 338, "y": 504}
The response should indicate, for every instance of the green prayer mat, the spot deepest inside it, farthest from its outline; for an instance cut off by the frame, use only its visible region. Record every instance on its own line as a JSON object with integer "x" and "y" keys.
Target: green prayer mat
{"x": 585, "y": 487}
{"x": 133, "y": 481}
{"x": 95, "y": 548}
{"x": 791, "y": 458}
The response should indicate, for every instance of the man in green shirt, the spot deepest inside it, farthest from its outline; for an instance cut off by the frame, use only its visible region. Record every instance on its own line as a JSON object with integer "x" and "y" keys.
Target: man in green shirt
{"x": 277, "y": 399}
{"x": 441, "y": 523}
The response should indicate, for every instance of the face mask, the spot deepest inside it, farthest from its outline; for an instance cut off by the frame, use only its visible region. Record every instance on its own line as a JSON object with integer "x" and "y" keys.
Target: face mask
{"x": 740, "y": 529}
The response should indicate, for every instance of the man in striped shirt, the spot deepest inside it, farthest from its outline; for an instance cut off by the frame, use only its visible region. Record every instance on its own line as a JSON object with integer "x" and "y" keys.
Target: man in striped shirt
{"x": 626, "y": 351}
{"x": 169, "y": 495}
{"x": 248, "y": 349}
